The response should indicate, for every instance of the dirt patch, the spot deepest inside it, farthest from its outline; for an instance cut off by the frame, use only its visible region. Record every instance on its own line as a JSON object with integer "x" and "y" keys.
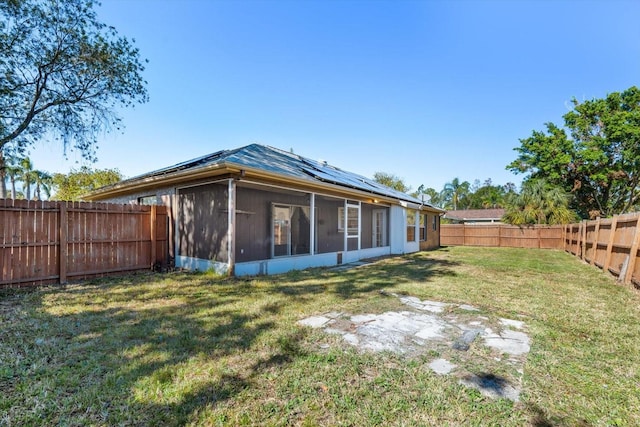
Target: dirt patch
{"x": 484, "y": 352}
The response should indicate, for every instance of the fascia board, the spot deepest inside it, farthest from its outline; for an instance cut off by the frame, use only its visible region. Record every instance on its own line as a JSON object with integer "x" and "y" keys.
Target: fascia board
{"x": 161, "y": 180}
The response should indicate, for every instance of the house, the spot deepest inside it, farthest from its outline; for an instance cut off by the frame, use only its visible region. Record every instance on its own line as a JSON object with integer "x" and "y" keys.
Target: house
{"x": 261, "y": 210}
{"x": 475, "y": 216}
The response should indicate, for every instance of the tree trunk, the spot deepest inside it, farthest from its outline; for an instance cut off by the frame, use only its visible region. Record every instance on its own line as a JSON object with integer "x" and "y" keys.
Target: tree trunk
{"x": 3, "y": 177}
{"x": 13, "y": 187}
{"x": 3, "y": 184}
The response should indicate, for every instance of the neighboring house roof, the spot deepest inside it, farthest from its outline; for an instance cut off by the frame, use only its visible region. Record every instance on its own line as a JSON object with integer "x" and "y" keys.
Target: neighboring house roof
{"x": 259, "y": 160}
{"x": 475, "y": 215}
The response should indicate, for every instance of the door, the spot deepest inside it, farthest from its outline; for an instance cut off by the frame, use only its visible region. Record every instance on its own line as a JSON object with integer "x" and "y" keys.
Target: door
{"x": 379, "y": 228}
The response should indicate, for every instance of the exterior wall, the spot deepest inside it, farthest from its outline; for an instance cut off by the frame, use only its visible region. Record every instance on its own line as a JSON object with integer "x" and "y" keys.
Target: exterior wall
{"x": 397, "y": 229}
{"x": 197, "y": 264}
{"x": 282, "y": 265}
{"x": 433, "y": 236}
{"x": 162, "y": 196}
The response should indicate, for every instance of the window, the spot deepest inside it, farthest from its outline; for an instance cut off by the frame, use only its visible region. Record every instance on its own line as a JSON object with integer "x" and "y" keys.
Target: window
{"x": 352, "y": 220}
{"x": 291, "y": 230}
{"x": 411, "y": 225}
{"x": 148, "y": 200}
{"x": 435, "y": 223}
{"x": 423, "y": 227}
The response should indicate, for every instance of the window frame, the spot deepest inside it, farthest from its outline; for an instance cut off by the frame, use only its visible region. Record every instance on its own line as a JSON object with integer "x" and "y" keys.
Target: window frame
{"x": 422, "y": 227}
{"x": 411, "y": 226}
{"x": 352, "y": 231}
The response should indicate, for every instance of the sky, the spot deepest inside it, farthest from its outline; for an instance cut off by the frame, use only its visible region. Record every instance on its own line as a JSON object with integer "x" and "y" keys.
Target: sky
{"x": 425, "y": 90}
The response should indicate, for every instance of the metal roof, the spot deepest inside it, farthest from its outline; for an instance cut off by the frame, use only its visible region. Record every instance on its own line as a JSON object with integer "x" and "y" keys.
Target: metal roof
{"x": 284, "y": 163}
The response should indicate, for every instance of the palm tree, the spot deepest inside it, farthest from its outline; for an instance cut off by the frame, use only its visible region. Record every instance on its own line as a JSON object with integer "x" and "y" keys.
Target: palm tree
{"x": 3, "y": 176}
{"x": 43, "y": 182}
{"x": 13, "y": 172}
{"x": 27, "y": 176}
{"x": 454, "y": 191}
{"x": 9, "y": 169}
{"x": 539, "y": 203}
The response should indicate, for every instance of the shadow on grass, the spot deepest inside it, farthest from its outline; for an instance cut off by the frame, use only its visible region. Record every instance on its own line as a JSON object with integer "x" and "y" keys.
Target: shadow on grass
{"x": 122, "y": 350}
{"x": 539, "y": 418}
{"x": 386, "y": 273}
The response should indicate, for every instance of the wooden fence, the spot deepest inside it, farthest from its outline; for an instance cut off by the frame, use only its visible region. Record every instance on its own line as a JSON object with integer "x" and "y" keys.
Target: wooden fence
{"x": 502, "y": 235}
{"x": 611, "y": 244}
{"x": 54, "y": 242}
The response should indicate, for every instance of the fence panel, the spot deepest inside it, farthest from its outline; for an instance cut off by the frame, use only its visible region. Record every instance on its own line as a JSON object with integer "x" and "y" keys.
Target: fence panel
{"x": 551, "y": 237}
{"x": 502, "y": 235}
{"x": 51, "y": 242}
{"x": 602, "y": 242}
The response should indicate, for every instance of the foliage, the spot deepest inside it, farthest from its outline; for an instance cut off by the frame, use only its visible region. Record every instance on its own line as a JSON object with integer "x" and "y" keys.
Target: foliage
{"x": 600, "y": 164}
{"x": 453, "y": 192}
{"x": 392, "y": 181}
{"x": 76, "y": 183}
{"x": 539, "y": 203}
{"x": 64, "y": 73}
{"x": 467, "y": 196}
{"x": 428, "y": 195}
{"x": 487, "y": 195}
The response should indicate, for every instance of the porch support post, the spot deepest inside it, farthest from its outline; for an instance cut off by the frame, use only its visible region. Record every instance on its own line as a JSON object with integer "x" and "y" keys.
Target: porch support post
{"x": 359, "y": 225}
{"x": 346, "y": 227}
{"x": 231, "y": 229}
{"x": 312, "y": 218}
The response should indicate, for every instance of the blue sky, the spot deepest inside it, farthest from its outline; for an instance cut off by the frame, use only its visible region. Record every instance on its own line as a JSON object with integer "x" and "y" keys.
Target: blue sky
{"x": 426, "y": 90}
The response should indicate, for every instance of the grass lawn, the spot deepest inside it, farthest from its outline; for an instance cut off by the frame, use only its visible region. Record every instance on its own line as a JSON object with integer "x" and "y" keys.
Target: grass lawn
{"x": 194, "y": 349}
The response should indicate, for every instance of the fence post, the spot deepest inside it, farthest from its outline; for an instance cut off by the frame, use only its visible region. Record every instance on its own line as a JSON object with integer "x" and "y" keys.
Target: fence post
{"x": 612, "y": 233}
{"x": 464, "y": 235}
{"x": 633, "y": 253}
{"x": 63, "y": 252}
{"x": 594, "y": 245}
{"x": 578, "y": 236}
{"x": 499, "y": 235}
{"x": 152, "y": 225}
{"x": 583, "y": 236}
